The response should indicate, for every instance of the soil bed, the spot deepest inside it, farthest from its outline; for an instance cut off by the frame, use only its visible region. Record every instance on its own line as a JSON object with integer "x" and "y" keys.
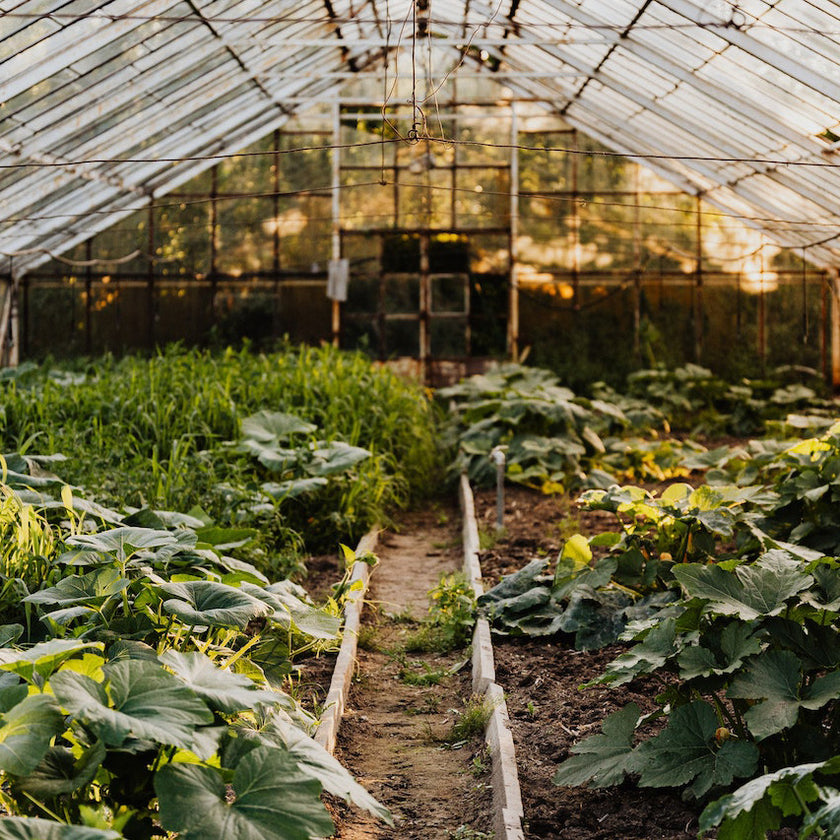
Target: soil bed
{"x": 548, "y": 711}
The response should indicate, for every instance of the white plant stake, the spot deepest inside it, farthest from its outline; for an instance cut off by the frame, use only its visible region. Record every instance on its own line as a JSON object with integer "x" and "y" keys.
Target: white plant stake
{"x": 498, "y": 456}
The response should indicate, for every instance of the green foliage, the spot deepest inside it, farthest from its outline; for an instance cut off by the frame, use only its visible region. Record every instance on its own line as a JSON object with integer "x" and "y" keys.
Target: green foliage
{"x": 557, "y": 440}
{"x": 143, "y": 657}
{"x": 472, "y": 720}
{"x": 548, "y": 434}
{"x": 603, "y": 760}
{"x": 752, "y": 647}
{"x": 142, "y": 660}
{"x": 594, "y": 597}
{"x": 273, "y": 799}
{"x": 450, "y": 619}
{"x": 150, "y": 432}
{"x": 694, "y": 399}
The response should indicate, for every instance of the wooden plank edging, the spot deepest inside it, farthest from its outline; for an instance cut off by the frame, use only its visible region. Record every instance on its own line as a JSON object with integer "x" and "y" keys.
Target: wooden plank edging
{"x": 504, "y": 779}
{"x": 327, "y": 731}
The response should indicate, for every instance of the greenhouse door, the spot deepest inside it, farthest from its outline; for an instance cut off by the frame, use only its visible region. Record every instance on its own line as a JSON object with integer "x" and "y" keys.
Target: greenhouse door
{"x": 413, "y": 301}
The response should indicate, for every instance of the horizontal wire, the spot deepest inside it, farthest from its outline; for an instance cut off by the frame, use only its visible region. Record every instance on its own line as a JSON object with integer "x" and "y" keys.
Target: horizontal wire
{"x": 581, "y": 199}
{"x": 505, "y": 23}
{"x": 444, "y": 141}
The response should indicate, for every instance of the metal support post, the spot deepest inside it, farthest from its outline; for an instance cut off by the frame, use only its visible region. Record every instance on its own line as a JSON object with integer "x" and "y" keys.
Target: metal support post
{"x": 336, "y": 214}
{"x": 513, "y": 314}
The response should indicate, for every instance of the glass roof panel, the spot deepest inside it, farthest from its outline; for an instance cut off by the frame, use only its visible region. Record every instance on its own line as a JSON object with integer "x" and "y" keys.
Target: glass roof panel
{"x": 723, "y": 89}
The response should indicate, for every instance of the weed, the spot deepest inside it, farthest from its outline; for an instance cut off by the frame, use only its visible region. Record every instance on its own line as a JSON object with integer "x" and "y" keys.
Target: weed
{"x": 432, "y": 703}
{"x": 464, "y": 832}
{"x": 426, "y": 676}
{"x": 427, "y": 639}
{"x": 450, "y": 619}
{"x": 472, "y": 720}
{"x": 367, "y": 638}
{"x": 480, "y": 763}
{"x": 488, "y": 538}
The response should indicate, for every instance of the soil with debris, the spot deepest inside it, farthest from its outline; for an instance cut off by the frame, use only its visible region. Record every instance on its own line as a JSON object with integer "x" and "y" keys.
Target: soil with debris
{"x": 549, "y": 712}
{"x": 395, "y": 737}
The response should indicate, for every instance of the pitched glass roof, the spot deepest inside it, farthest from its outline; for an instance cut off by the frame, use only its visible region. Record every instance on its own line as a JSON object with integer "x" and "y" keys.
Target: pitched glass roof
{"x": 104, "y": 103}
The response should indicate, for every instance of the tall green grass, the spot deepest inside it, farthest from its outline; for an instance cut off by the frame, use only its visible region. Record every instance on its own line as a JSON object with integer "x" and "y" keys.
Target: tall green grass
{"x": 148, "y": 431}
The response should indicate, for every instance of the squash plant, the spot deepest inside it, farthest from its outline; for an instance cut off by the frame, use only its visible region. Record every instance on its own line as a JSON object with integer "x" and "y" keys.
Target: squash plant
{"x": 141, "y": 686}
{"x": 602, "y": 584}
{"x": 752, "y": 655}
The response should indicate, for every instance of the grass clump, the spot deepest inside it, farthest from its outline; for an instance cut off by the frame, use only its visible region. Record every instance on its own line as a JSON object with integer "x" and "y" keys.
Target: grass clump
{"x": 464, "y": 832}
{"x": 472, "y": 721}
{"x": 422, "y": 675}
{"x": 152, "y": 432}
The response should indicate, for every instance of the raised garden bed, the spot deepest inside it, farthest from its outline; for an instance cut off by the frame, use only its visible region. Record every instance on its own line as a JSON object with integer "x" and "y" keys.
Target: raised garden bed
{"x": 549, "y": 712}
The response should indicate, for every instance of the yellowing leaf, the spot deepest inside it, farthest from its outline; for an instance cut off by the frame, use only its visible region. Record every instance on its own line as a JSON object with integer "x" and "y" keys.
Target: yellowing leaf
{"x": 577, "y": 550}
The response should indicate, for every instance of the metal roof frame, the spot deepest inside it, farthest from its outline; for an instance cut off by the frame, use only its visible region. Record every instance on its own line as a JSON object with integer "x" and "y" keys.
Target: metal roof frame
{"x": 104, "y": 103}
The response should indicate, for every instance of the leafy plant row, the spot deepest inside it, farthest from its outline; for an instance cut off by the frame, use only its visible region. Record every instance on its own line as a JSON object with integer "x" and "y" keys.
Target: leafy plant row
{"x": 140, "y": 432}
{"x": 141, "y": 674}
{"x": 556, "y": 440}
{"x": 145, "y": 638}
{"x": 730, "y": 594}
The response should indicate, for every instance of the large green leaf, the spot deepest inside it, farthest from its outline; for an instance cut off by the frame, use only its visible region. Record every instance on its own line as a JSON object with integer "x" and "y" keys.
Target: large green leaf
{"x": 749, "y": 591}
{"x": 512, "y": 585}
{"x": 207, "y": 602}
{"x": 293, "y": 488}
{"x": 315, "y": 761}
{"x": 43, "y": 658}
{"x": 140, "y": 699}
{"x": 272, "y": 426}
{"x": 81, "y": 589}
{"x": 605, "y": 759}
{"x": 26, "y": 731}
{"x": 753, "y": 824}
{"x": 595, "y": 617}
{"x": 826, "y": 594}
{"x": 686, "y": 752}
{"x": 60, "y": 772}
{"x": 775, "y": 677}
{"x": 744, "y": 800}
{"x": 335, "y": 457}
{"x": 44, "y": 502}
{"x": 275, "y": 458}
{"x": 123, "y": 542}
{"x": 826, "y": 818}
{"x": 723, "y": 653}
{"x": 273, "y": 800}
{"x": 10, "y": 633}
{"x": 32, "y": 828}
{"x": 225, "y": 539}
{"x": 263, "y": 436}
{"x": 282, "y": 597}
{"x": 222, "y": 690}
{"x": 644, "y": 657}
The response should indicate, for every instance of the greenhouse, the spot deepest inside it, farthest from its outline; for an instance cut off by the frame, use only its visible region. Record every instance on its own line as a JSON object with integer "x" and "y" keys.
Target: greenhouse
{"x": 419, "y": 419}
{"x": 652, "y": 181}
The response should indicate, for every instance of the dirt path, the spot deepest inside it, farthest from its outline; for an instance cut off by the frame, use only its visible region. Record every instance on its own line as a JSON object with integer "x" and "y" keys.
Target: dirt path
{"x": 395, "y": 736}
